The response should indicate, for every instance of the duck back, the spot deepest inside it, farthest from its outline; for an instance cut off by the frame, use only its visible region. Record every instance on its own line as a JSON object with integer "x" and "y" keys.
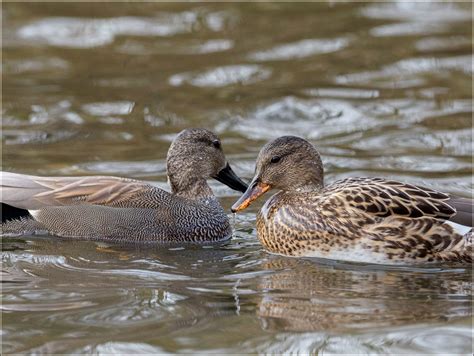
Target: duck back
{"x": 313, "y": 225}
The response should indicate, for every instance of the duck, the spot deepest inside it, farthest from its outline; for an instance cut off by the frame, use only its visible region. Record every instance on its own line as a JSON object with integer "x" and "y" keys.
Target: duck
{"x": 116, "y": 209}
{"x": 362, "y": 219}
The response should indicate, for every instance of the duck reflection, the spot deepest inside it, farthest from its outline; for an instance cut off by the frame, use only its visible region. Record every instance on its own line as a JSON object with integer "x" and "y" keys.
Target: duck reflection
{"x": 177, "y": 288}
{"x": 304, "y": 296}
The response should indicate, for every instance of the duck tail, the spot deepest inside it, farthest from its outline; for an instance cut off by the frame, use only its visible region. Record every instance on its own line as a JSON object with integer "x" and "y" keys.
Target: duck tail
{"x": 9, "y": 212}
{"x": 466, "y": 252}
{"x": 462, "y": 253}
{"x": 464, "y": 211}
{"x": 22, "y": 226}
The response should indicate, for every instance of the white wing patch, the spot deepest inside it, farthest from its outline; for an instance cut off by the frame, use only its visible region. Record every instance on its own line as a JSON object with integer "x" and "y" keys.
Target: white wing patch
{"x": 460, "y": 229}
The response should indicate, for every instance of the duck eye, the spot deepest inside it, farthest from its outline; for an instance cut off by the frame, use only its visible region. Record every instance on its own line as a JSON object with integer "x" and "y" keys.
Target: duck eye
{"x": 216, "y": 144}
{"x": 275, "y": 159}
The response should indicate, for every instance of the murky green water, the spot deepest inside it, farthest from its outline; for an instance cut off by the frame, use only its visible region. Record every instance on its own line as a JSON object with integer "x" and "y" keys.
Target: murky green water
{"x": 381, "y": 89}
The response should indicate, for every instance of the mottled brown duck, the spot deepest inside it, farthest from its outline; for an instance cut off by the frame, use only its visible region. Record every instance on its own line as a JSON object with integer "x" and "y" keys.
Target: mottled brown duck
{"x": 370, "y": 220}
{"x": 127, "y": 210}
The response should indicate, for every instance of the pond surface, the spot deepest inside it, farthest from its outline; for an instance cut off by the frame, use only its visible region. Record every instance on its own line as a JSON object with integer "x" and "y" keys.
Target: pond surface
{"x": 382, "y": 89}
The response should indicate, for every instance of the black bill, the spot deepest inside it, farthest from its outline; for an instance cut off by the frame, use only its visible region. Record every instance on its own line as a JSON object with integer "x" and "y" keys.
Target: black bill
{"x": 229, "y": 178}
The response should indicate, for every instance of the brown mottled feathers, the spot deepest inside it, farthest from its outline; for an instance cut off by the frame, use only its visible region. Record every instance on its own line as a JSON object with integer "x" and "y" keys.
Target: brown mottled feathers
{"x": 383, "y": 197}
{"x": 372, "y": 220}
{"x": 366, "y": 220}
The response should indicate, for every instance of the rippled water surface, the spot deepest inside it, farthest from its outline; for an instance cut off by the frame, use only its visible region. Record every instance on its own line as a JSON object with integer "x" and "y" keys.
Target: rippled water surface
{"x": 381, "y": 89}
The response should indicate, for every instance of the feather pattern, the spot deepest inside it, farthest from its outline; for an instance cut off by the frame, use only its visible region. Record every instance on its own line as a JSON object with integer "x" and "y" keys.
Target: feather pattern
{"x": 383, "y": 197}
{"x": 364, "y": 220}
{"x": 32, "y": 193}
{"x": 372, "y": 220}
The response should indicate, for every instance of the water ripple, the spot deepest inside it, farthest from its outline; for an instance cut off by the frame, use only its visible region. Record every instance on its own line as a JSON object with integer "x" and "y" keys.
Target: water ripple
{"x": 223, "y": 76}
{"x": 35, "y": 307}
{"x": 416, "y": 11}
{"x": 300, "y": 49}
{"x": 123, "y": 348}
{"x": 86, "y": 33}
{"x": 109, "y": 108}
{"x": 404, "y": 70}
{"x": 52, "y": 64}
{"x": 317, "y": 119}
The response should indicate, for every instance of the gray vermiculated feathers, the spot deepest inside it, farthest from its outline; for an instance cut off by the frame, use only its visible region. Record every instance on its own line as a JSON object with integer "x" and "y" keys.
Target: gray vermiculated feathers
{"x": 196, "y": 223}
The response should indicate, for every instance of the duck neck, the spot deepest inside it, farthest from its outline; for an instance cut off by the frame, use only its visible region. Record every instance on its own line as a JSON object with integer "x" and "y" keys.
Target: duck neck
{"x": 312, "y": 178}
{"x": 190, "y": 187}
{"x": 186, "y": 177}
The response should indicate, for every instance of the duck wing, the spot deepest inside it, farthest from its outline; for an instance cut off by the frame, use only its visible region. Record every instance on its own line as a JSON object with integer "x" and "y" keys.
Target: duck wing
{"x": 32, "y": 192}
{"x": 383, "y": 197}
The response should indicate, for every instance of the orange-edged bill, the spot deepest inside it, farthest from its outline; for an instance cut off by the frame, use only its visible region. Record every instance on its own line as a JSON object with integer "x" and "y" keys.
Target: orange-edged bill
{"x": 254, "y": 190}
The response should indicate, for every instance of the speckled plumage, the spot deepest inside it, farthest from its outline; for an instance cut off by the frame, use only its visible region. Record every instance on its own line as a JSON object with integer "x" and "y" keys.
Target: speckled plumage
{"x": 126, "y": 210}
{"x": 372, "y": 220}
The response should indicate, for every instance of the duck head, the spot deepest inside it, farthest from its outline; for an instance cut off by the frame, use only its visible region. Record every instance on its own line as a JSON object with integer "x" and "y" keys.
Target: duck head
{"x": 194, "y": 156}
{"x": 288, "y": 163}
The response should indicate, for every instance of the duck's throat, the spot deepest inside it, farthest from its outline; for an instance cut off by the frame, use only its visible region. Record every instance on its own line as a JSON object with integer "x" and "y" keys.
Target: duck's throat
{"x": 191, "y": 188}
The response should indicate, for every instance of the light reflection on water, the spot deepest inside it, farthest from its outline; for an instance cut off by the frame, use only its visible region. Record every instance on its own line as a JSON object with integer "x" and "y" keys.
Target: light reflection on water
{"x": 381, "y": 89}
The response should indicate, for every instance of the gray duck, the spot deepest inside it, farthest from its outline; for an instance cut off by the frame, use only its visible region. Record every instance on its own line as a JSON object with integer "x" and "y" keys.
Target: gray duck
{"x": 370, "y": 220}
{"x": 126, "y": 210}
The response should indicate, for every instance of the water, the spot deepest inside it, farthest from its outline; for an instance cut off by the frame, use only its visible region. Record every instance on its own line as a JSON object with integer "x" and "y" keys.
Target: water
{"x": 382, "y": 89}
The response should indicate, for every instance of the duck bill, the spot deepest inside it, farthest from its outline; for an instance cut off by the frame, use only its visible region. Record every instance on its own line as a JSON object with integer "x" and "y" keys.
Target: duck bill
{"x": 229, "y": 178}
{"x": 255, "y": 190}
